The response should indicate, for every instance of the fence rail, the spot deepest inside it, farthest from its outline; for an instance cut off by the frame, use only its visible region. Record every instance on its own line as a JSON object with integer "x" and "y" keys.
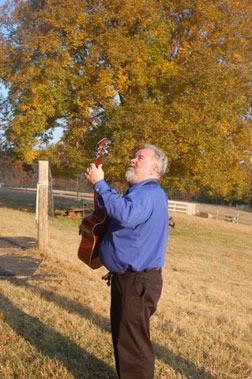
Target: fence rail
{"x": 177, "y": 207}
{"x": 182, "y": 207}
{"x": 58, "y": 192}
{"x": 212, "y": 211}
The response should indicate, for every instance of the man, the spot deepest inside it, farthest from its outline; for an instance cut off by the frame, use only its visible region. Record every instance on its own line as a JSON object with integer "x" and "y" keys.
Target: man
{"x": 133, "y": 249}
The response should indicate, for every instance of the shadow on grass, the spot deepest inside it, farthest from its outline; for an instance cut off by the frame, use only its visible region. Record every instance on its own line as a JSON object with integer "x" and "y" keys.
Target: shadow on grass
{"x": 53, "y": 345}
{"x": 179, "y": 364}
{"x": 22, "y": 242}
{"x": 12, "y": 264}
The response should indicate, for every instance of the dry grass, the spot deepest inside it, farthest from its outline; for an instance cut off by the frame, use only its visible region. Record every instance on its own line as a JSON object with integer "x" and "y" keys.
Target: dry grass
{"x": 58, "y": 326}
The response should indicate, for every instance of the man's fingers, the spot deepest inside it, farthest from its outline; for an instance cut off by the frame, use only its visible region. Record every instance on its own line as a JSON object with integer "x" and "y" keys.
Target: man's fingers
{"x": 93, "y": 174}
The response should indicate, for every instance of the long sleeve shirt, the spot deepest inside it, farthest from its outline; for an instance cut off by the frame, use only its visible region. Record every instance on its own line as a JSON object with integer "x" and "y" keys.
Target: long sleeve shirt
{"x": 137, "y": 232}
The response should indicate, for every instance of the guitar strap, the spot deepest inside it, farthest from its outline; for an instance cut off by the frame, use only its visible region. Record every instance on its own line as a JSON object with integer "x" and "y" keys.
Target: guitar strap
{"x": 145, "y": 184}
{"x": 152, "y": 182}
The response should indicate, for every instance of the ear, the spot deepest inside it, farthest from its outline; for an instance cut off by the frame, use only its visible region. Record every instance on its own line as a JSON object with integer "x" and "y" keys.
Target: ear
{"x": 154, "y": 171}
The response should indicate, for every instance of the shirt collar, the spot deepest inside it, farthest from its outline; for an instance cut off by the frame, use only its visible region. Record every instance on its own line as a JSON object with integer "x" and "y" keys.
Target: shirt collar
{"x": 140, "y": 184}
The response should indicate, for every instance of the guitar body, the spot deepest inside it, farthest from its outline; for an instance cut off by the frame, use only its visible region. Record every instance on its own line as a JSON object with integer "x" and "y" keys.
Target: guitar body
{"x": 94, "y": 225}
{"x": 92, "y": 229}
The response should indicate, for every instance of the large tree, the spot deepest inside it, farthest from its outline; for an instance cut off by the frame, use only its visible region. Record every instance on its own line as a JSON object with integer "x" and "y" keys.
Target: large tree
{"x": 173, "y": 73}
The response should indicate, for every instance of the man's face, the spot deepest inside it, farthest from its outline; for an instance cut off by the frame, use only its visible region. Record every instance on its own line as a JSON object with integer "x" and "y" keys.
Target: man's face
{"x": 142, "y": 167}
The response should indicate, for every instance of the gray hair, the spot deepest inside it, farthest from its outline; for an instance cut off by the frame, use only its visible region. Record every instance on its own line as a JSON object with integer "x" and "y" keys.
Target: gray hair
{"x": 160, "y": 158}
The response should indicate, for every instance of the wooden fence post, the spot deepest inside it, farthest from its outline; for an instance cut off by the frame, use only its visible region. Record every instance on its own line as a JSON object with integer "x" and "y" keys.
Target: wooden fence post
{"x": 42, "y": 205}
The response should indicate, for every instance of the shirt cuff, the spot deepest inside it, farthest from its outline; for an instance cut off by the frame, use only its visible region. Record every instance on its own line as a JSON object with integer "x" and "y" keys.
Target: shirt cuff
{"x": 101, "y": 186}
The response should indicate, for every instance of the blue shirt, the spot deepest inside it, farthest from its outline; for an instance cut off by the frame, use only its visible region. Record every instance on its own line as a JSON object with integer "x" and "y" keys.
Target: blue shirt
{"x": 137, "y": 233}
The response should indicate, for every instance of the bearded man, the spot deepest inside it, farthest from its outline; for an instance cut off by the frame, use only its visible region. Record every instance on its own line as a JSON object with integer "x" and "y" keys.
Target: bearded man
{"x": 133, "y": 250}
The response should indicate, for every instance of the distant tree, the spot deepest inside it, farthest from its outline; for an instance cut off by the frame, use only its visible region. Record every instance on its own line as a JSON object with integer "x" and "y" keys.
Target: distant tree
{"x": 173, "y": 73}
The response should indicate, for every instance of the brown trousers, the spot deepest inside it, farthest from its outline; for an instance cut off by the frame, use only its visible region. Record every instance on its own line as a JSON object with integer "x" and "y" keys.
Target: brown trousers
{"x": 134, "y": 298}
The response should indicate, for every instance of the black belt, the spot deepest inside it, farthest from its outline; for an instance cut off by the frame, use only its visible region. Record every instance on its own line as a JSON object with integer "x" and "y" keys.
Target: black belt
{"x": 131, "y": 271}
{"x": 109, "y": 275}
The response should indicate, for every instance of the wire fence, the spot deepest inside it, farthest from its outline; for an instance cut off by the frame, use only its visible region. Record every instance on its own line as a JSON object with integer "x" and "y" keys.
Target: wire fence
{"x": 226, "y": 213}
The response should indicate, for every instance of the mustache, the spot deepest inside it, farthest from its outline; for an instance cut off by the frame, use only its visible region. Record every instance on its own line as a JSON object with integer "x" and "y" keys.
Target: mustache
{"x": 131, "y": 165}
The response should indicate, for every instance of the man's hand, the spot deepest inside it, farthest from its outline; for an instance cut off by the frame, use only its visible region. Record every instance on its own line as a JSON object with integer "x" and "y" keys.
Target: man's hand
{"x": 94, "y": 174}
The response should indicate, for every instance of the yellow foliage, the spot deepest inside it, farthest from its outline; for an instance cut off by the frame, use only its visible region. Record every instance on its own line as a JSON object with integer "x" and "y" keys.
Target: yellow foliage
{"x": 30, "y": 156}
{"x": 176, "y": 74}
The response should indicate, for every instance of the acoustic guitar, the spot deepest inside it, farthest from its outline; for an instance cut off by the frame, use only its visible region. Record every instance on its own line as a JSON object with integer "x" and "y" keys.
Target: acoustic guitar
{"x": 94, "y": 225}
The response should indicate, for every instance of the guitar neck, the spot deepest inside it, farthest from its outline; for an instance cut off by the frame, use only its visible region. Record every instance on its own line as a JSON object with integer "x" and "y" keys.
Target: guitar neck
{"x": 101, "y": 150}
{"x": 97, "y": 163}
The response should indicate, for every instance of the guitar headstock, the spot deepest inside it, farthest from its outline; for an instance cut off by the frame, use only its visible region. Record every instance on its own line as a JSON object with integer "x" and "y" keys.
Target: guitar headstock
{"x": 102, "y": 148}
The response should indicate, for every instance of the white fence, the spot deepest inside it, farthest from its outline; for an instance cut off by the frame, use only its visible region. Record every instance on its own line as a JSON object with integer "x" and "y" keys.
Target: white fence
{"x": 182, "y": 207}
{"x": 211, "y": 211}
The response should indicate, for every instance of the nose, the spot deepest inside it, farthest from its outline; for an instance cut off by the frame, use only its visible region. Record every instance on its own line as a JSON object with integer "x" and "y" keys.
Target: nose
{"x": 133, "y": 160}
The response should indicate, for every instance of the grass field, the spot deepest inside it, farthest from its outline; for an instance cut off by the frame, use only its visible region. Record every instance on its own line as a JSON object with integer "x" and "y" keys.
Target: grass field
{"x": 55, "y": 324}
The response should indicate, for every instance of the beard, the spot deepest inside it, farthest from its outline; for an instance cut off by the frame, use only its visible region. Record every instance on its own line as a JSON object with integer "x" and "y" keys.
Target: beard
{"x": 131, "y": 175}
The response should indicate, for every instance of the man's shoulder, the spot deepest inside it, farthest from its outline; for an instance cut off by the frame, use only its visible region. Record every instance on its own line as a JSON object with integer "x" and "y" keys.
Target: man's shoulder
{"x": 152, "y": 188}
